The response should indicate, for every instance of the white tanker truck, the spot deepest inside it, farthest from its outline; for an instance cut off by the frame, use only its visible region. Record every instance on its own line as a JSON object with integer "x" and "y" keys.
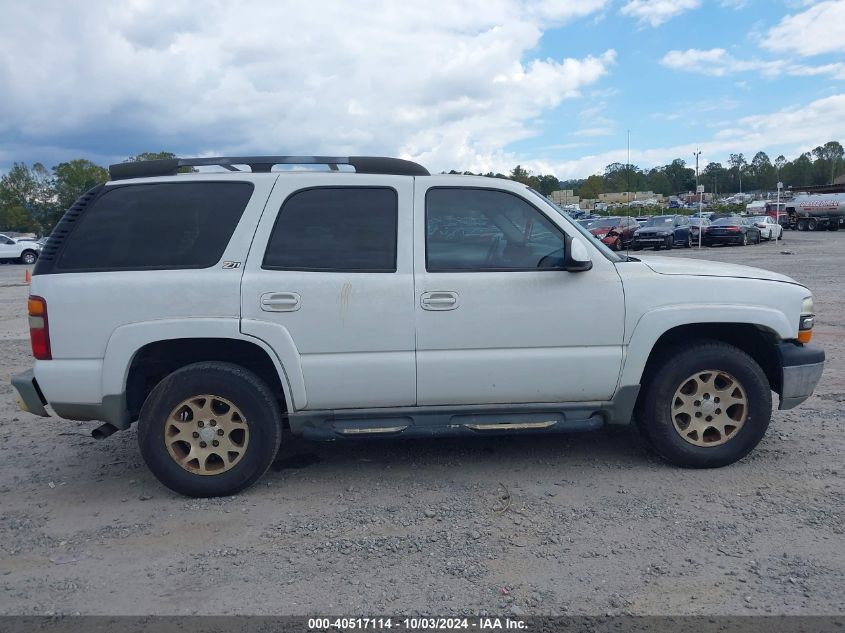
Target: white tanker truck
{"x": 816, "y": 212}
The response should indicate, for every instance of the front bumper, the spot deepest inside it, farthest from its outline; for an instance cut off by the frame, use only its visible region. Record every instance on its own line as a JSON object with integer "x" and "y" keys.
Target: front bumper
{"x": 30, "y": 398}
{"x": 802, "y": 367}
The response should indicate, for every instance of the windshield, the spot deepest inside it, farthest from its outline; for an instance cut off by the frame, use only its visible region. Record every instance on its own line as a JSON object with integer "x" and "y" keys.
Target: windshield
{"x": 605, "y": 250}
{"x": 585, "y": 223}
{"x": 661, "y": 220}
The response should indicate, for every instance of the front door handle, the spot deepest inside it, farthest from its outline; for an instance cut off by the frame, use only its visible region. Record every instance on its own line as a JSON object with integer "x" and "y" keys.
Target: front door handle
{"x": 439, "y": 300}
{"x": 280, "y": 302}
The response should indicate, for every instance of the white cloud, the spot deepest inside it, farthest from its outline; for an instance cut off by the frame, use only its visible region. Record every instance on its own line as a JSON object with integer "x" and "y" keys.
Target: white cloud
{"x": 734, "y": 4}
{"x": 448, "y": 83}
{"x": 656, "y": 12}
{"x": 717, "y": 62}
{"x": 818, "y": 30}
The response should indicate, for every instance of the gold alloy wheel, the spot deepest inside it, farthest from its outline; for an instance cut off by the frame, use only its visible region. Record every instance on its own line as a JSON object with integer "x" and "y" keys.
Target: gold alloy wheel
{"x": 709, "y": 408}
{"x": 206, "y": 435}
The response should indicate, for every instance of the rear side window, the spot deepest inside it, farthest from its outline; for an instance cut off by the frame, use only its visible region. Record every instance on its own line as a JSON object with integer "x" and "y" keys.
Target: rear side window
{"x": 335, "y": 229}
{"x": 156, "y": 226}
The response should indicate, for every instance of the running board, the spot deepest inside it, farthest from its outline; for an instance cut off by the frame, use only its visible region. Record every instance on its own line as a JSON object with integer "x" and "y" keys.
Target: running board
{"x": 437, "y": 421}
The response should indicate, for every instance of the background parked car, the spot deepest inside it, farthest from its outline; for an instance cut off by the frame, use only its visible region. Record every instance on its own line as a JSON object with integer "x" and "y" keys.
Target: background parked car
{"x": 731, "y": 230}
{"x": 695, "y": 224}
{"x": 616, "y": 231}
{"x": 664, "y": 231}
{"x": 769, "y": 229}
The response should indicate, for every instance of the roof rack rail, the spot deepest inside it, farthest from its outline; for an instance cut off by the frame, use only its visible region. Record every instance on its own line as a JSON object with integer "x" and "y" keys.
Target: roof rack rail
{"x": 362, "y": 165}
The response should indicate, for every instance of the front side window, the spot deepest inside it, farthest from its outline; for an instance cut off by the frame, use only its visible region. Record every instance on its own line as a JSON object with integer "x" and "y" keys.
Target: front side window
{"x": 335, "y": 229}
{"x": 486, "y": 230}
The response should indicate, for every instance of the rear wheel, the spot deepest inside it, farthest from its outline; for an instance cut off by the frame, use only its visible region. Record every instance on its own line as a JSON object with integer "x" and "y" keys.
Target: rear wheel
{"x": 812, "y": 225}
{"x": 689, "y": 240}
{"x": 708, "y": 407}
{"x": 209, "y": 429}
{"x": 745, "y": 239}
{"x": 29, "y": 257}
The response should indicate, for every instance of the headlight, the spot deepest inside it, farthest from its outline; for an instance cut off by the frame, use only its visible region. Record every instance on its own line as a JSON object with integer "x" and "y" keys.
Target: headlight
{"x": 807, "y": 320}
{"x": 601, "y": 236}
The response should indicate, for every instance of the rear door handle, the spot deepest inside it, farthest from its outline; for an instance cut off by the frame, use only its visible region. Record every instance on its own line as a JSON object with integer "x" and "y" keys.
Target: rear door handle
{"x": 280, "y": 302}
{"x": 439, "y": 300}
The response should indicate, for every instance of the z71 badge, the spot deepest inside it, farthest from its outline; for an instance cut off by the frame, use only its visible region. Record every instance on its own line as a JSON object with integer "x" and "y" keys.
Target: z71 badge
{"x": 231, "y": 264}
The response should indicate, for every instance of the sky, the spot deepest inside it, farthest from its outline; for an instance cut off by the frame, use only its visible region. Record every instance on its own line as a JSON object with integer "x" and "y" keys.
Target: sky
{"x": 479, "y": 85}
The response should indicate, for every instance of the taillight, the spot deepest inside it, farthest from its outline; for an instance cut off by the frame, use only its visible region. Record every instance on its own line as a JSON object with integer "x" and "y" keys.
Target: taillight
{"x": 39, "y": 328}
{"x": 733, "y": 229}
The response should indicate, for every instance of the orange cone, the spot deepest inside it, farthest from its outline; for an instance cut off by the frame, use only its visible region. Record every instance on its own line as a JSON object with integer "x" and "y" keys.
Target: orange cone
{"x": 27, "y": 277}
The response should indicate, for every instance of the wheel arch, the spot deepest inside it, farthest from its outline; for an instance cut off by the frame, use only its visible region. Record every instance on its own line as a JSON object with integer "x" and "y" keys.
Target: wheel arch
{"x": 155, "y": 360}
{"x": 754, "y": 329}
{"x": 139, "y": 353}
{"x": 759, "y": 342}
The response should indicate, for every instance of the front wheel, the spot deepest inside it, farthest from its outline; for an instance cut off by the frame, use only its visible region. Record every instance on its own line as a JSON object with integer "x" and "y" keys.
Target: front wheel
{"x": 670, "y": 243}
{"x": 689, "y": 240}
{"x": 708, "y": 407}
{"x": 209, "y": 429}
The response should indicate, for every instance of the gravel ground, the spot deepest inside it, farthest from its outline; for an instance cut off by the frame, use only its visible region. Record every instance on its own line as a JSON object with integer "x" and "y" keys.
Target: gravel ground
{"x": 578, "y": 524}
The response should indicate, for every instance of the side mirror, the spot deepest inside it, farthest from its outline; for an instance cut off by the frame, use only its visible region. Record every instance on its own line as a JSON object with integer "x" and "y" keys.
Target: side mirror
{"x": 577, "y": 258}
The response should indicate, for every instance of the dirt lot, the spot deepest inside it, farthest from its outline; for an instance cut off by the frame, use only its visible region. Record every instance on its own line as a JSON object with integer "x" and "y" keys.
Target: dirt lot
{"x": 544, "y": 525}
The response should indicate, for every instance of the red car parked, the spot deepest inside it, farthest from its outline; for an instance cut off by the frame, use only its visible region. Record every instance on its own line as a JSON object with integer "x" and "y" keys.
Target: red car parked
{"x": 617, "y": 232}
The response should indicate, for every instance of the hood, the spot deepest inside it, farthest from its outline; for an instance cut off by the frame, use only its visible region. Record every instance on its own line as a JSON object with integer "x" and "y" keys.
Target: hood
{"x": 603, "y": 229}
{"x": 702, "y": 268}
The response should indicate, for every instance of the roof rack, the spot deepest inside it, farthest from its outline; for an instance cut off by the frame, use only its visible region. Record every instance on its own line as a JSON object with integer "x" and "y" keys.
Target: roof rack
{"x": 263, "y": 164}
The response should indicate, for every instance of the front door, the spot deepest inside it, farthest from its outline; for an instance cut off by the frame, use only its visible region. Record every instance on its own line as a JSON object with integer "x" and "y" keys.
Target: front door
{"x": 329, "y": 285}
{"x": 498, "y": 320}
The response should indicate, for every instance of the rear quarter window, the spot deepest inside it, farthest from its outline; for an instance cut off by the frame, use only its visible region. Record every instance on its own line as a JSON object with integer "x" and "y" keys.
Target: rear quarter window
{"x": 156, "y": 226}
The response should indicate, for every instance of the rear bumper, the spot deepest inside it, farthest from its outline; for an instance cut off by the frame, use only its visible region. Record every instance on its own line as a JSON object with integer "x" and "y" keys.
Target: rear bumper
{"x": 111, "y": 409}
{"x": 30, "y": 398}
{"x": 802, "y": 367}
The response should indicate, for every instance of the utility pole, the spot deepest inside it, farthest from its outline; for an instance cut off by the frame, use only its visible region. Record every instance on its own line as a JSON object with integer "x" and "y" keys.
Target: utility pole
{"x": 628, "y": 175}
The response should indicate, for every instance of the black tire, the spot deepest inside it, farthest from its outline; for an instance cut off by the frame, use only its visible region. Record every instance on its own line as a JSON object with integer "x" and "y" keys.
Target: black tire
{"x": 28, "y": 257}
{"x": 654, "y": 418}
{"x": 745, "y": 239}
{"x": 670, "y": 243}
{"x": 689, "y": 240}
{"x": 757, "y": 241}
{"x": 812, "y": 225}
{"x": 617, "y": 245}
{"x": 234, "y": 383}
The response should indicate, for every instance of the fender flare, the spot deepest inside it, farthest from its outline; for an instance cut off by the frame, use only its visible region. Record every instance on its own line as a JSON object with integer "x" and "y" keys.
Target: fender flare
{"x": 655, "y": 323}
{"x": 125, "y": 341}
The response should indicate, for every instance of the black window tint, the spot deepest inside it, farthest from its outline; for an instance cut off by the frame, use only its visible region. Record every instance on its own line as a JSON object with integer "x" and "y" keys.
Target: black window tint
{"x": 338, "y": 229}
{"x": 156, "y": 226}
{"x": 479, "y": 229}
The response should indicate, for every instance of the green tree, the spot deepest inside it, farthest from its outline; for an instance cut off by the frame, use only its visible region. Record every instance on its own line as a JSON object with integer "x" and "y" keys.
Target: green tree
{"x": 150, "y": 156}
{"x": 17, "y": 218}
{"x": 30, "y": 189}
{"x": 738, "y": 162}
{"x": 762, "y": 170}
{"x": 592, "y": 187}
{"x": 74, "y": 178}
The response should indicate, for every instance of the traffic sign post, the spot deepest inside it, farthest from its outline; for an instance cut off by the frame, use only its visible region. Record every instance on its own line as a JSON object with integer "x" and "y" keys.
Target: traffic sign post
{"x": 700, "y": 191}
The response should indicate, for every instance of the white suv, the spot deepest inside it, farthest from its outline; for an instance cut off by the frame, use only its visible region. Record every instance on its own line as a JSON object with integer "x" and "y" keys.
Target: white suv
{"x": 217, "y": 309}
{"x": 17, "y": 250}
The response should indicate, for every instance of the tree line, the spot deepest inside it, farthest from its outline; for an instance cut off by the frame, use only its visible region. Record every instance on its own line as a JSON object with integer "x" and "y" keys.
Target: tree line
{"x": 818, "y": 167}
{"x": 33, "y": 198}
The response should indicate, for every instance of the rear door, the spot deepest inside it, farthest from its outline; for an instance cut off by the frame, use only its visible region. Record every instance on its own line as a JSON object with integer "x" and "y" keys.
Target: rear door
{"x": 498, "y": 321}
{"x": 329, "y": 285}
